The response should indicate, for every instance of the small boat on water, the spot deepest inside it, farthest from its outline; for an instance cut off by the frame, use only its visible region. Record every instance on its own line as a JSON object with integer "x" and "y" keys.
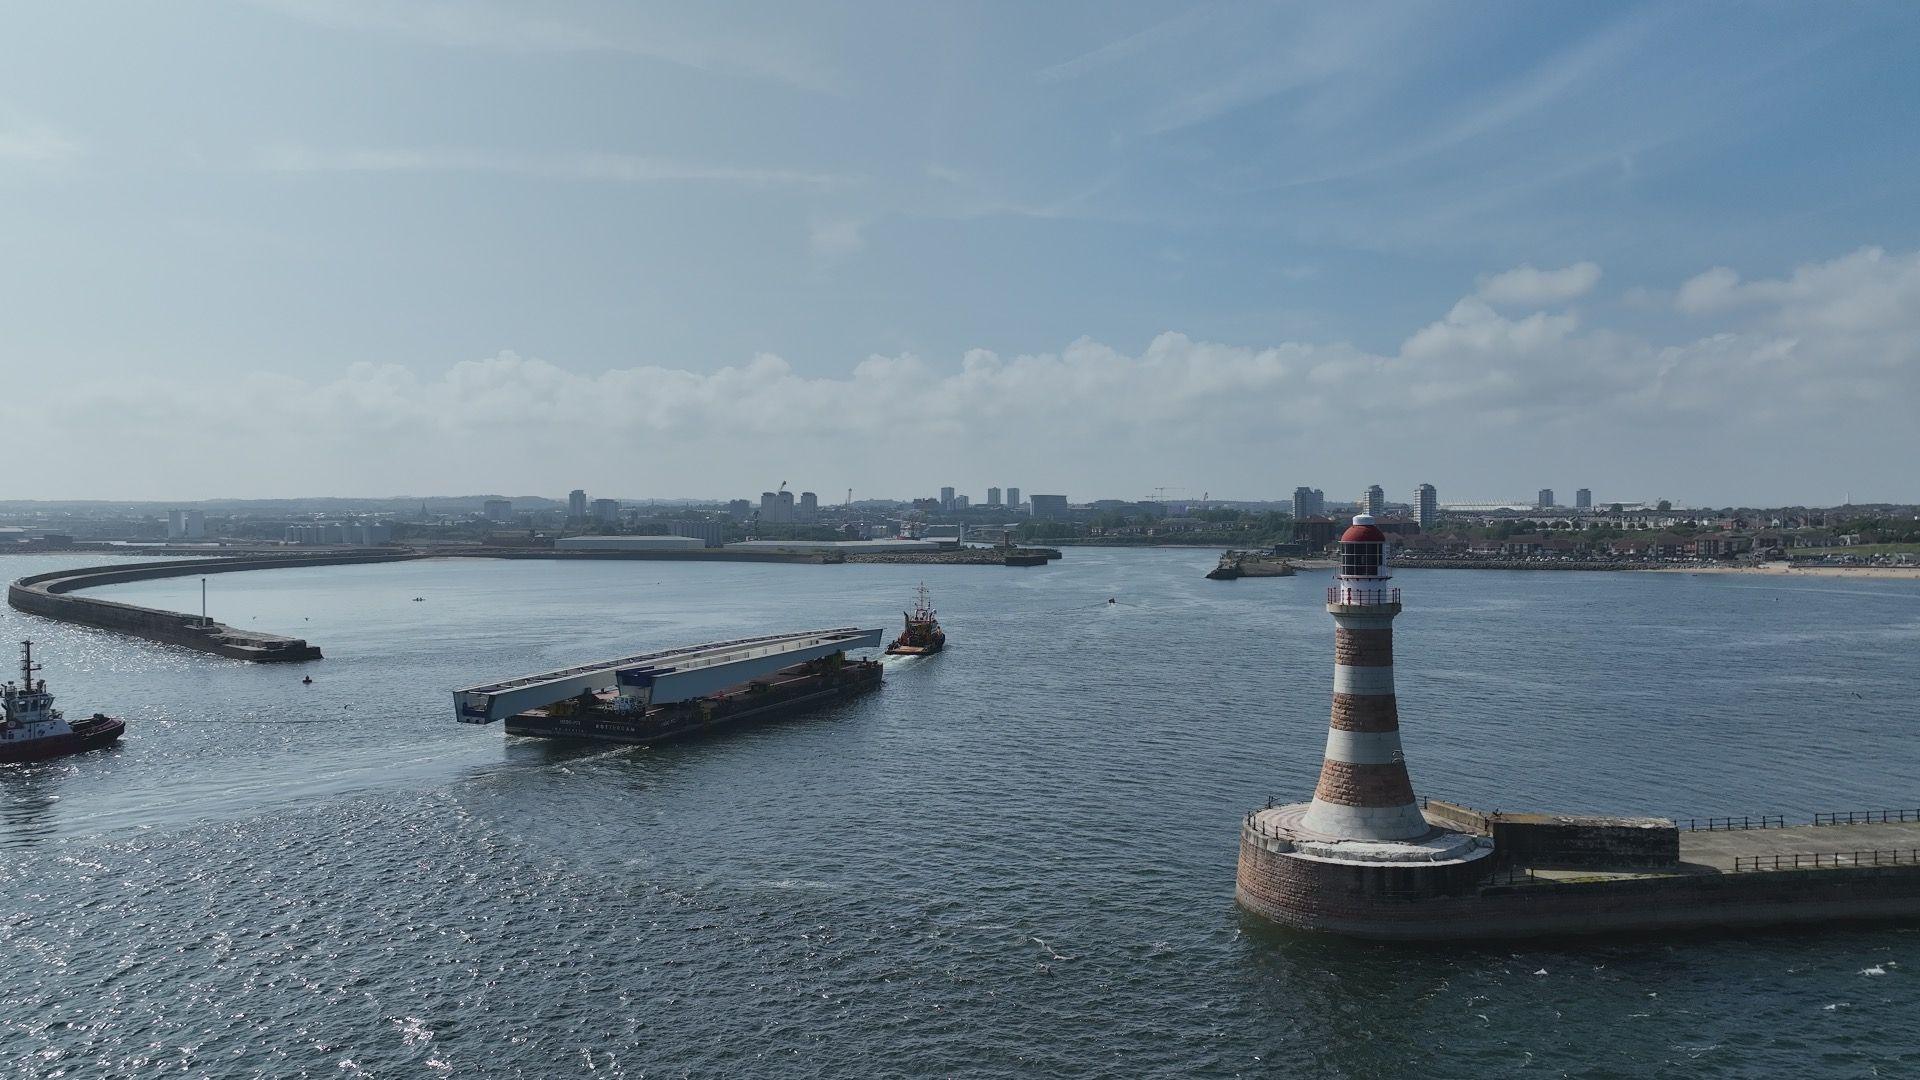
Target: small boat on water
{"x": 922, "y": 636}
{"x": 1239, "y": 564}
{"x": 31, "y": 729}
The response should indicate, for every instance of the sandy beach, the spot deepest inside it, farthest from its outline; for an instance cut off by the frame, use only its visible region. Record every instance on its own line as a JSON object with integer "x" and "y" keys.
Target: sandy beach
{"x": 1903, "y": 573}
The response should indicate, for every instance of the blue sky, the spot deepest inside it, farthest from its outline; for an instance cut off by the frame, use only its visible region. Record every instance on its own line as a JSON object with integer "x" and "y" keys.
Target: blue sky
{"x": 1094, "y": 248}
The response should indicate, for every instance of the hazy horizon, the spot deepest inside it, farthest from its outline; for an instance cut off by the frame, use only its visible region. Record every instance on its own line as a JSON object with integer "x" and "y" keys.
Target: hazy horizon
{"x": 262, "y": 247}
{"x": 1564, "y": 499}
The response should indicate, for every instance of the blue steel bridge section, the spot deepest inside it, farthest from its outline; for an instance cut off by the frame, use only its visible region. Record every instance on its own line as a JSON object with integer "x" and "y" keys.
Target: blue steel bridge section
{"x": 662, "y": 677}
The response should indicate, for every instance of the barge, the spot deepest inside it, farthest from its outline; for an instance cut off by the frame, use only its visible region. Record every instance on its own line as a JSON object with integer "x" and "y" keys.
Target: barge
{"x": 675, "y": 693}
{"x": 606, "y": 716}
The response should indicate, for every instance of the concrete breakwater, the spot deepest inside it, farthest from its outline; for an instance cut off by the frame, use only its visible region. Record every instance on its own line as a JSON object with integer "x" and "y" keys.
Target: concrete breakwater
{"x": 993, "y": 556}
{"x": 50, "y": 595}
{"x": 666, "y": 555}
{"x": 1562, "y": 875}
{"x": 980, "y": 556}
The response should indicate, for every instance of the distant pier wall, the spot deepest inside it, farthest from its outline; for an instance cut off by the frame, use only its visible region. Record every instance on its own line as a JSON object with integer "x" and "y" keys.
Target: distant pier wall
{"x": 641, "y": 555}
{"x": 50, "y": 595}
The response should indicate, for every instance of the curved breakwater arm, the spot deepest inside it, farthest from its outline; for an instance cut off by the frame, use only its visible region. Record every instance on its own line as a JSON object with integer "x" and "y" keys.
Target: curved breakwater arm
{"x": 51, "y": 595}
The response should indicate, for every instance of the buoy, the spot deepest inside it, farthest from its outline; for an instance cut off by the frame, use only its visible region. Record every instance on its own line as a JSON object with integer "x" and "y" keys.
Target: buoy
{"x": 1111, "y": 600}
{"x": 308, "y": 680}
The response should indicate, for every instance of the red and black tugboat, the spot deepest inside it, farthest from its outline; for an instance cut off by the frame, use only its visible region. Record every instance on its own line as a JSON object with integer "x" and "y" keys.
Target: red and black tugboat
{"x": 31, "y": 729}
{"x": 923, "y": 636}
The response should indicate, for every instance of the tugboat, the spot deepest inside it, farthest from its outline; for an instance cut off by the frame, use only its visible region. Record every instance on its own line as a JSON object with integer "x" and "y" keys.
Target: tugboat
{"x": 923, "y": 636}
{"x": 31, "y": 729}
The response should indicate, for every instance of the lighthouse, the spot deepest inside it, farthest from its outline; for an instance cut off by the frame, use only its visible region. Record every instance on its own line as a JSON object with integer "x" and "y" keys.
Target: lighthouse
{"x": 1364, "y": 792}
{"x": 1356, "y": 857}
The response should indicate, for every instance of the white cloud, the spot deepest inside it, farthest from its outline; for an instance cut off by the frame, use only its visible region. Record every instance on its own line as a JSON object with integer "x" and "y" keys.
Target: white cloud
{"x": 836, "y": 238}
{"x": 1527, "y": 287}
{"x": 1713, "y": 290}
{"x": 1868, "y": 288}
{"x": 290, "y": 157}
{"x": 1127, "y": 48}
{"x": 633, "y": 31}
{"x": 35, "y": 143}
{"x": 1830, "y": 353}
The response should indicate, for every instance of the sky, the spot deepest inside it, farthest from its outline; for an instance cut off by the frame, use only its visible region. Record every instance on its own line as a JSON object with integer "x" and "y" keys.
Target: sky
{"x": 275, "y": 248}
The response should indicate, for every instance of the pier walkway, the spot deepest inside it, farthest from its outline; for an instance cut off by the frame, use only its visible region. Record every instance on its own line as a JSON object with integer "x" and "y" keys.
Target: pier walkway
{"x": 1730, "y": 850}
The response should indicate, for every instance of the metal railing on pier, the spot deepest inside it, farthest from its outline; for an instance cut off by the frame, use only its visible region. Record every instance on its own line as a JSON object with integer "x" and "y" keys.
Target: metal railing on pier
{"x": 1721, "y": 824}
{"x": 1510, "y": 875}
{"x": 1827, "y": 859}
{"x": 1865, "y": 817}
{"x": 1252, "y": 821}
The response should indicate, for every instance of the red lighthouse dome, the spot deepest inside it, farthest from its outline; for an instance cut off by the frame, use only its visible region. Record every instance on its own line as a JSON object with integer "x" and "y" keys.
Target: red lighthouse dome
{"x": 1363, "y": 550}
{"x": 1363, "y": 531}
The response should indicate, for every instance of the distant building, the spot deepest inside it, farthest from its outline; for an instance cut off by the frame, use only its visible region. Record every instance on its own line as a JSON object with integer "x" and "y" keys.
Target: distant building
{"x": 497, "y": 509}
{"x": 961, "y": 502}
{"x": 946, "y": 498}
{"x": 776, "y": 507}
{"x": 993, "y": 496}
{"x": 809, "y": 508}
{"x": 577, "y": 504}
{"x": 186, "y": 525}
{"x": 1313, "y": 533}
{"x": 1374, "y": 501}
{"x": 1308, "y": 502}
{"x": 711, "y": 533}
{"x": 1426, "y": 505}
{"x": 1013, "y": 498}
{"x": 606, "y": 511}
{"x": 1545, "y": 500}
{"x": 628, "y": 543}
{"x": 1583, "y": 499}
{"x": 739, "y": 509}
{"x": 318, "y": 533}
{"x": 1050, "y": 508}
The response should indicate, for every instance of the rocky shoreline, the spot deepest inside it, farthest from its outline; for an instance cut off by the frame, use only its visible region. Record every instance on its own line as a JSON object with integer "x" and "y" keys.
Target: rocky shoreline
{"x": 1520, "y": 564}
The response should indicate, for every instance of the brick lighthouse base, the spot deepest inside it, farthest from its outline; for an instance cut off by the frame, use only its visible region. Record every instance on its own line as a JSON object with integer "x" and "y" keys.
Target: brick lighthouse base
{"x": 1365, "y": 888}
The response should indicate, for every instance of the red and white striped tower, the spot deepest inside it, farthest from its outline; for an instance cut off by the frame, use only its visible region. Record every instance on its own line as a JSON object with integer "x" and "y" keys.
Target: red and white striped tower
{"x": 1364, "y": 792}
{"x": 1357, "y": 858}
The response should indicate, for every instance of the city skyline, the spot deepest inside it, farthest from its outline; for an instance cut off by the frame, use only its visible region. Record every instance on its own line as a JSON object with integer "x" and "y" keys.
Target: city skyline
{"x": 951, "y": 496}
{"x": 1079, "y": 245}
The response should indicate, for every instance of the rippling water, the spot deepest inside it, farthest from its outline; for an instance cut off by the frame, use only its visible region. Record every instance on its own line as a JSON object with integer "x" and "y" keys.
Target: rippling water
{"x": 1015, "y": 860}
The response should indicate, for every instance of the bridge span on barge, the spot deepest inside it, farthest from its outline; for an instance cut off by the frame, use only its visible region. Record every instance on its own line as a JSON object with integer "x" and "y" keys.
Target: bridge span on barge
{"x": 658, "y": 696}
